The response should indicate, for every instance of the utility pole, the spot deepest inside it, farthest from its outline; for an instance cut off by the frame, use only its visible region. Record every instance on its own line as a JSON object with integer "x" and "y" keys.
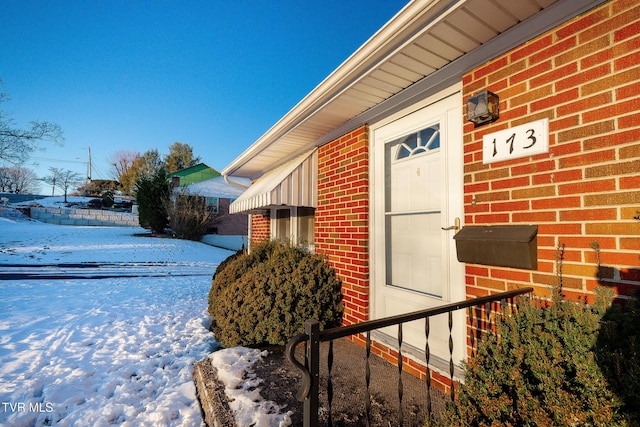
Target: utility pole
{"x": 89, "y": 165}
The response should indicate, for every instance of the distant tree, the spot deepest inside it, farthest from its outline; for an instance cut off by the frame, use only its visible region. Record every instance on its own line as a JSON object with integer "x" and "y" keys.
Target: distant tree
{"x": 180, "y": 157}
{"x": 129, "y": 166}
{"x": 144, "y": 165}
{"x": 5, "y": 181}
{"x": 17, "y": 179}
{"x": 129, "y": 177}
{"x": 63, "y": 179}
{"x": 97, "y": 186}
{"x": 150, "y": 163}
{"x": 17, "y": 144}
{"x": 121, "y": 161}
{"x": 152, "y": 194}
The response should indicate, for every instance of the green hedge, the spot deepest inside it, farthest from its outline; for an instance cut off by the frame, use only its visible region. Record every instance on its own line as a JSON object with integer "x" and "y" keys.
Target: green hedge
{"x": 618, "y": 354}
{"x": 266, "y": 296}
{"x": 565, "y": 365}
{"x": 152, "y": 194}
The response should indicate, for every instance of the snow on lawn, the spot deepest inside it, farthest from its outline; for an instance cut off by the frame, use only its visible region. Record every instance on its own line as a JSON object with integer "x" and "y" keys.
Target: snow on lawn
{"x": 109, "y": 351}
{"x": 102, "y": 352}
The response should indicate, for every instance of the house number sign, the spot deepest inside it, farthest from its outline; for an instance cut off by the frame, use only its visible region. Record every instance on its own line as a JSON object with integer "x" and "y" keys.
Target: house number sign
{"x": 518, "y": 141}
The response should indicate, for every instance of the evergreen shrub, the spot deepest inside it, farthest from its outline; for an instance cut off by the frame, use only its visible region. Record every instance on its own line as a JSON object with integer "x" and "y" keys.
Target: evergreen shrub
{"x": 540, "y": 368}
{"x": 264, "y": 297}
{"x": 107, "y": 199}
{"x": 618, "y": 353}
{"x": 152, "y": 194}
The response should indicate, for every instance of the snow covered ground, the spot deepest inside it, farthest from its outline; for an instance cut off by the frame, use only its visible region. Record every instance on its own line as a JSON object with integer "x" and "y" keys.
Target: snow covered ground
{"x": 81, "y": 346}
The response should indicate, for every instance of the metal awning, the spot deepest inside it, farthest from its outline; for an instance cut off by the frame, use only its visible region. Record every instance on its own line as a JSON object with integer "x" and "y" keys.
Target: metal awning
{"x": 291, "y": 184}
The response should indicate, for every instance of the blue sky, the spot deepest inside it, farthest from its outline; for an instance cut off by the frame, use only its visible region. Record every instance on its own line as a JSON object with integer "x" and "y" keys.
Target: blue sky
{"x": 139, "y": 75}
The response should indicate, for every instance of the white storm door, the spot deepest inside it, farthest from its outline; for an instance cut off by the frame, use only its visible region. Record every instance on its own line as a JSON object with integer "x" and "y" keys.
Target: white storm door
{"x": 417, "y": 194}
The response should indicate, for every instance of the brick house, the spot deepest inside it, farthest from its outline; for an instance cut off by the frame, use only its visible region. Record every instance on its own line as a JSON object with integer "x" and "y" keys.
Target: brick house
{"x": 378, "y": 164}
{"x": 217, "y": 194}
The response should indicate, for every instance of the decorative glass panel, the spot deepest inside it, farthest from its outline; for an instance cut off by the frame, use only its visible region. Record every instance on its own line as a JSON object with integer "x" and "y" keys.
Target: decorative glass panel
{"x": 417, "y": 143}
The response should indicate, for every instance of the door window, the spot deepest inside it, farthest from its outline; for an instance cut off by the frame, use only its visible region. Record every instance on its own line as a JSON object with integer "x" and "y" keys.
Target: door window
{"x": 413, "y": 188}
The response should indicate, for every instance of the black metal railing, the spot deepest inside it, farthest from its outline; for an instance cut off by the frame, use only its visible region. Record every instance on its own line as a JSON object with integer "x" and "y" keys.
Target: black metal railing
{"x": 480, "y": 317}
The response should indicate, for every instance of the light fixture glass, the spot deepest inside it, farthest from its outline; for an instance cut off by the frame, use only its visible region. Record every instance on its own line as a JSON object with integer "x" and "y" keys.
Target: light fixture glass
{"x": 483, "y": 107}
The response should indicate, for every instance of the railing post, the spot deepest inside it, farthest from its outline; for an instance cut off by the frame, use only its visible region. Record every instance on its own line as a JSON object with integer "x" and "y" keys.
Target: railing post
{"x": 311, "y": 403}
{"x": 309, "y": 392}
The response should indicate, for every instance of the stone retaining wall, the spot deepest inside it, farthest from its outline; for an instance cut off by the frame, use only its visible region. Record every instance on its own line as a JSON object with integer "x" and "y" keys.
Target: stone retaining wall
{"x": 86, "y": 217}
{"x": 211, "y": 395}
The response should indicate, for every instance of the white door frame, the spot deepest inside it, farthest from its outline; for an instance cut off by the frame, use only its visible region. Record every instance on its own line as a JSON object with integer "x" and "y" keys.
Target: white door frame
{"x": 453, "y": 207}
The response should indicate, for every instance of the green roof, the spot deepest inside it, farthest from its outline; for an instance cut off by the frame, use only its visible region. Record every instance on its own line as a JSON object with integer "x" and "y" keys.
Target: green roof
{"x": 193, "y": 174}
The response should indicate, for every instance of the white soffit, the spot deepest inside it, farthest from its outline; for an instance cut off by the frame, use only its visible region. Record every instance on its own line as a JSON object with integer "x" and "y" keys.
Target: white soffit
{"x": 422, "y": 39}
{"x": 291, "y": 184}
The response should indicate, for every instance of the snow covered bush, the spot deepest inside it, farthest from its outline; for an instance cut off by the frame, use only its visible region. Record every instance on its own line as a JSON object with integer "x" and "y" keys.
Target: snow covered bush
{"x": 265, "y": 297}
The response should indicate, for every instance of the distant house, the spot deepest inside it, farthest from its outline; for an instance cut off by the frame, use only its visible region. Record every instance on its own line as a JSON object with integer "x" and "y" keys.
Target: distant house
{"x": 392, "y": 155}
{"x": 190, "y": 175}
{"x": 230, "y": 231}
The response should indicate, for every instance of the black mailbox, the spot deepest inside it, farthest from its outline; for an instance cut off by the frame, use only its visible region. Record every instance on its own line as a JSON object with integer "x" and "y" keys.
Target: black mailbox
{"x": 499, "y": 245}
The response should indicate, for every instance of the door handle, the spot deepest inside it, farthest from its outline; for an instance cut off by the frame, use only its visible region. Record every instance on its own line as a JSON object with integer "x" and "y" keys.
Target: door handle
{"x": 455, "y": 226}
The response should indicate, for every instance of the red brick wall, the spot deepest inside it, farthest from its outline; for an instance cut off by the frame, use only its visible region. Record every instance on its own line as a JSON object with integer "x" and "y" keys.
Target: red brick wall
{"x": 260, "y": 227}
{"x": 341, "y": 225}
{"x": 584, "y": 76}
{"x": 230, "y": 224}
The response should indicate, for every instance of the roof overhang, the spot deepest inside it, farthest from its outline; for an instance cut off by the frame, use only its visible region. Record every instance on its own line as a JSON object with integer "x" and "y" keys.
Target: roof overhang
{"x": 424, "y": 48}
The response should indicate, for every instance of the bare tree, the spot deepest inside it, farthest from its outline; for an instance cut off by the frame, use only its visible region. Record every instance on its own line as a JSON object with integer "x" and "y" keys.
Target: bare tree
{"x": 63, "y": 179}
{"x": 189, "y": 216}
{"x": 17, "y": 179}
{"x": 121, "y": 161}
{"x": 5, "y": 180}
{"x": 17, "y": 144}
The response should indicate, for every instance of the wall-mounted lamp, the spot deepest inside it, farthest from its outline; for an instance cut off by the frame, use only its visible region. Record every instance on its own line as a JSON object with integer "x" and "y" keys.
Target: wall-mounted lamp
{"x": 483, "y": 108}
